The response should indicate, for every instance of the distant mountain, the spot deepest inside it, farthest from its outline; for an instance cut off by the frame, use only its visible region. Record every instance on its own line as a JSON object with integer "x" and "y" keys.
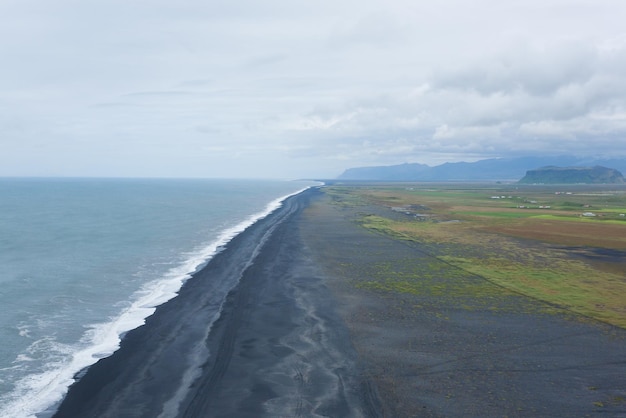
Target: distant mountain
{"x": 507, "y": 169}
{"x": 573, "y": 175}
{"x": 390, "y": 173}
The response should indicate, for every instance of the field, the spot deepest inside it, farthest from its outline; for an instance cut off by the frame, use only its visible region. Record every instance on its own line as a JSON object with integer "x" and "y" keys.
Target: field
{"x": 563, "y": 245}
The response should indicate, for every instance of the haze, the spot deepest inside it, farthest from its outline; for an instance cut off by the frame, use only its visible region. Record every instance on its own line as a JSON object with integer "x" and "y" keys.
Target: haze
{"x": 295, "y": 89}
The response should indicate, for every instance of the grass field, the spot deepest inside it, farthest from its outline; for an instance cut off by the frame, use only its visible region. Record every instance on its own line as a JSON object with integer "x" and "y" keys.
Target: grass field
{"x": 562, "y": 245}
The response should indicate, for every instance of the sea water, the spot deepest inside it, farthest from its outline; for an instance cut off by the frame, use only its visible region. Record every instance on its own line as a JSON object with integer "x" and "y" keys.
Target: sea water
{"x": 82, "y": 261}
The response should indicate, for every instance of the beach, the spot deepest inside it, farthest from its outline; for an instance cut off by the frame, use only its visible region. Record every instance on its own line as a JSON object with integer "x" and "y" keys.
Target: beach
{"x": 303, "y": 333}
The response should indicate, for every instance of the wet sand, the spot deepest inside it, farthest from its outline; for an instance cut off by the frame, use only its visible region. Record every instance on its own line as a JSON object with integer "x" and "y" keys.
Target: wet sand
{"x": 301, "y": 335}
{"x": 278, "y": 349}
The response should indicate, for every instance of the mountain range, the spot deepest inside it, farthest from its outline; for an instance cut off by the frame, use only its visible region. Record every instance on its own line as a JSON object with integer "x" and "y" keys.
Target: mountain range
{"x": 495, "y": 169}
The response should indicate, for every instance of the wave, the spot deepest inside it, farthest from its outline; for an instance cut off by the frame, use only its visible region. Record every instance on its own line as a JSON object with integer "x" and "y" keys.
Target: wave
{"x": 38, "y": 395}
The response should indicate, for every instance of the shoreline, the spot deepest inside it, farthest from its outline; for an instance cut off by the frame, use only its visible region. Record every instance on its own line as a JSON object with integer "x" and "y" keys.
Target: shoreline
{"x": 305, "y": 333}
{"x": 146, "y": 253}
{"x": 149, "y": 374}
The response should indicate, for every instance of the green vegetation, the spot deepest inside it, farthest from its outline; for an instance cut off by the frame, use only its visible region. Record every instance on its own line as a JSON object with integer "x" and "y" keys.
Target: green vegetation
{"x": 546, "y": 249}
{"x": 566, "y": 283}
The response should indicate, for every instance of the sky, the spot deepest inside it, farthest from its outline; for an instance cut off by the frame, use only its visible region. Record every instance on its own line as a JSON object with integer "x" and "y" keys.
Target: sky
{"x": 304, "y": 89}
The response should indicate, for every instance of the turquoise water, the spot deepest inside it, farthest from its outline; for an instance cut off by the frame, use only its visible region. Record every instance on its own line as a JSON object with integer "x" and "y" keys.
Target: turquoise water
{"x": 84, "y": 260}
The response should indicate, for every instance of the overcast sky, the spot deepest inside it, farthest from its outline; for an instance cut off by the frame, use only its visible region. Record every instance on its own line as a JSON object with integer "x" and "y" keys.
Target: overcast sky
{"x": 292, "y": 88}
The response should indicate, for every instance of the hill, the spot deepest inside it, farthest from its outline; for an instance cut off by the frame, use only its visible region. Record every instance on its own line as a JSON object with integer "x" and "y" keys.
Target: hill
{"x": 573, "y": 175}
{"x": 505, "y": 169}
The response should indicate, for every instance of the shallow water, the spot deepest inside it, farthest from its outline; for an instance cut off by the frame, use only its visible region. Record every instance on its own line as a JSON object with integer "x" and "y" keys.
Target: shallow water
{"x": 85, "y": 260}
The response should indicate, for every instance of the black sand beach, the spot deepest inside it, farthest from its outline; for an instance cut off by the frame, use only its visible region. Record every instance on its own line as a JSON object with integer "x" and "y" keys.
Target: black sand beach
{"x": 300, "y": 335}
{"x": 278, "y": 349}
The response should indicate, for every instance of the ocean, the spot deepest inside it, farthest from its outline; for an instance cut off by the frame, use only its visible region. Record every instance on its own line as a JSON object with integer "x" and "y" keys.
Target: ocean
{"x": 82, "y": 261}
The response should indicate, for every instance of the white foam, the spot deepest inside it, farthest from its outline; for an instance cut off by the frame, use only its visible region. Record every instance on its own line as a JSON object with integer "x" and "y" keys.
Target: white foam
{"x": 24, "y": 331}
{"x": 38, "y": 393}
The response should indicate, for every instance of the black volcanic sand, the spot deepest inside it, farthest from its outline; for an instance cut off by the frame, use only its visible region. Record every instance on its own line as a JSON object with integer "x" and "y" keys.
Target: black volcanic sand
{"x": 459, "y": 346}
{"x": 279, "y": 348}
{"x": 306, "y": 332}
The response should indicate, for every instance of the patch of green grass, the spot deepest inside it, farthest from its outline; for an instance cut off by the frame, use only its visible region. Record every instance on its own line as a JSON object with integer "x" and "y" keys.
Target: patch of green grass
{"x": 523, "y": 267}
{"x": 579, "y": 218}
{"x": 566, "y": 283}
{"x": 492, "y": 214}
{"x": 345, "y": 196}
{"x": 436, "y": 279}
{"x": 382, "y": 225}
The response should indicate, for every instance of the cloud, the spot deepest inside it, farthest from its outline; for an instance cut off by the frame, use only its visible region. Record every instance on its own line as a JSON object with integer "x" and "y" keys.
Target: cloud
{"x": 378, "y": 29}
{"x": 566, "y": 99}
{"x": 534, "y": 72}
{"x": 307, "y": 88}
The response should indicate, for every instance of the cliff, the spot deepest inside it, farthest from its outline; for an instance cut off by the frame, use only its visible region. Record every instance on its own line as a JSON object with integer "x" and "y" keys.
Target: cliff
{"x": 573, "y": 175}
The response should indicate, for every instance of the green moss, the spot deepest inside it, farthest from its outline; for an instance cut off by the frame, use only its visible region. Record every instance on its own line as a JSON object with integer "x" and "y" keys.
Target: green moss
{"x": 436, "y": 281}
{"x": 478, "y": 268}
{"x": 507, "y": 215}
{"x": 571, "y": 285}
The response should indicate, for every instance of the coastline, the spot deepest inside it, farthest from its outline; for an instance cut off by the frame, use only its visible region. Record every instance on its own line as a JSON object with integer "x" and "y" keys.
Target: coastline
{"x": 303, "y": 333}
{"x": 152, "y": 373}
{"x": 128, "y": 247}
